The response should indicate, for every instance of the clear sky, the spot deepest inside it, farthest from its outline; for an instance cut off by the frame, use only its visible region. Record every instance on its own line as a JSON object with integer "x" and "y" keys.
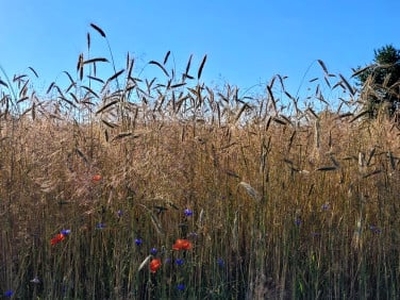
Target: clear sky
{"x": 247, "y": 42}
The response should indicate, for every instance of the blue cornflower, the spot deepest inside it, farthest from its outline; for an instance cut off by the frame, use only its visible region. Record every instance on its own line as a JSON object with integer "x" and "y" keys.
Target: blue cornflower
{"x": 181, "y": 286}
{"x": 220, "y": 262}
{"x": 100, "y": 226}
{"x": 153, "y": 251}
{"x": 179, "y": 261}
{"x": 8, "y": 293}
{"x": 188, "y": 212}
{"x": 65, "y": 231}
{"x": 297, "y": 221}
{"x": 138, "y": 241}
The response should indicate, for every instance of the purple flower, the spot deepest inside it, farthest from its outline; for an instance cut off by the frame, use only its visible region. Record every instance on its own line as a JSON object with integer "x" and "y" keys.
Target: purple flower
{"x": 297, "y": 221}
{"x": 65, "y": 231}
{"x": 179, "y": 261}
{"x": 167, "y": 261}
{"x": 100, "y": 226}
{"x": 375, "y": 229}
{"x": 120, "y": 213}
{"x": 8, "y": 293}
{"x": 220, "y": 262}
{"x": 138, "y": 241}
{"x": 181, "y": 287}
{"x": 153, "y": 251}
{"x": 325, "y": 206}
{"x": 193, "y": 235}
{"x": 188, "y": 212}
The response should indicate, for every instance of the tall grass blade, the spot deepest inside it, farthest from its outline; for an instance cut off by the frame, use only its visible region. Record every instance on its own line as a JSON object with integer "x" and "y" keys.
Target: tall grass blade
{"x": 98, "y": 29}
{"x": 250, "y": 191}
{"x": 203, "y": 62}
{"x": 166, "y": 58}
{"x": 145, "y": 262}
{"x": 323, "y": 66}
{"x": 347, "y": 84}
{"x": 34, "y": 72}
{"x": 95, "y": 60}
{"x": 153, "y": 62}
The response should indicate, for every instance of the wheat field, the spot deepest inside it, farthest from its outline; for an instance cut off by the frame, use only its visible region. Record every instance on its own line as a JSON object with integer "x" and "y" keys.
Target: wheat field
{"x": 133, "y": 188}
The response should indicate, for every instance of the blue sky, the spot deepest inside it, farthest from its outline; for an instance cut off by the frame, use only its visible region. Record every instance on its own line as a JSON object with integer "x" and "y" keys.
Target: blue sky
{"x": 247, "y": 42}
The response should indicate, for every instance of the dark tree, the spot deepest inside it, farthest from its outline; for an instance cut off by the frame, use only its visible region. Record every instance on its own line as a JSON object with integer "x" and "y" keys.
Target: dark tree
{"x": 380, "y": 83}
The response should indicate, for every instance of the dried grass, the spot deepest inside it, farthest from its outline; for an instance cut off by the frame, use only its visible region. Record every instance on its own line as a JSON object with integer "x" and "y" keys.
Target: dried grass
{"x": 161, "y": 147}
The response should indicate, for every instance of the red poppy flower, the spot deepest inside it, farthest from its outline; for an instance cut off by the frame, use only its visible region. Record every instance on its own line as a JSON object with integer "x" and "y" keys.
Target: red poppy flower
{"x": 56, "y": 239}
{"x": 96, "y": 178}
{"x": 182, "y": 244}
{"x": 155, "y": 264}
